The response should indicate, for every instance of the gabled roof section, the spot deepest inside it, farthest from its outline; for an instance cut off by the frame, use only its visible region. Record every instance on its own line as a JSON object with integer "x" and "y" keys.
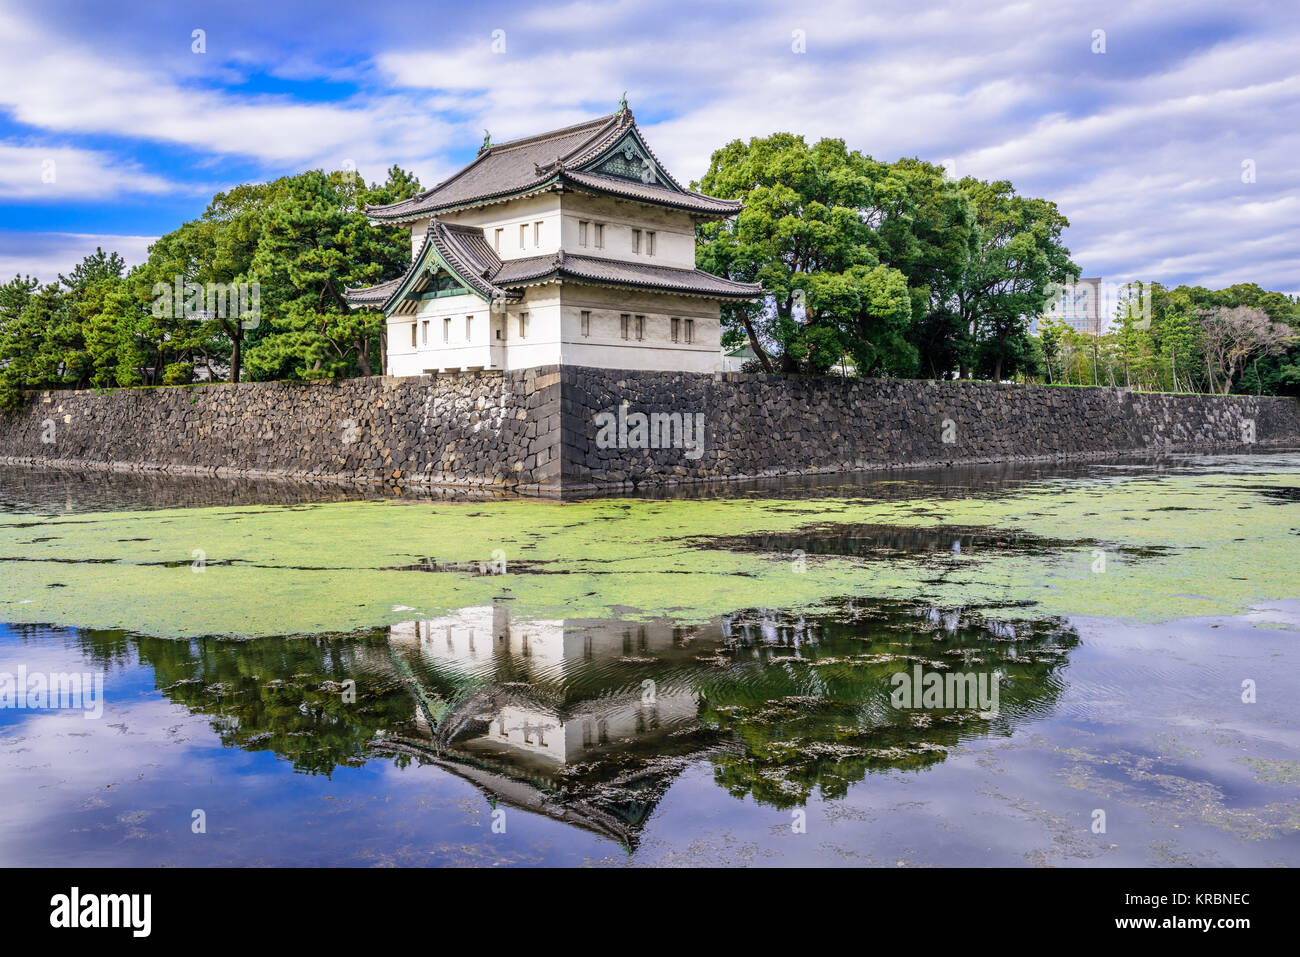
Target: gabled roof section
{"x": 607, "y": 155}
{"x": 462, "y": 251}
{"x": 466, "y": 251}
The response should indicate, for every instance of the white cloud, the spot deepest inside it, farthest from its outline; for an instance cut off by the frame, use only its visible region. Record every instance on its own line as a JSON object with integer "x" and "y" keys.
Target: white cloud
{"x": 1141, "y": 147}
{"x": 68, "y": 87}
{"x": 47, "y": 254}
{"x": 62, "y": 173}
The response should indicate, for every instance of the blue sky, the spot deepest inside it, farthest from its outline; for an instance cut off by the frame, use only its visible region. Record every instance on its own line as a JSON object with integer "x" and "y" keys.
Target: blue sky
{"x": 113, "y": 130}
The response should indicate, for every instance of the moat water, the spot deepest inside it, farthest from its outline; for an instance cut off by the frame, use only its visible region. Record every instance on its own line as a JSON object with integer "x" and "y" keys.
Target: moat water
{"x": 297, "y": 675}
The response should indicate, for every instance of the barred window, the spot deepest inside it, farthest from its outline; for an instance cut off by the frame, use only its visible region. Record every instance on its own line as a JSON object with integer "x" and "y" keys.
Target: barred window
{"x": 677, "y": 328}
{"x": 690, "y": 330}
{"x": 649, "y": 243}
{"x": 586, "y": 322}
{"x": 623, "y": 321}
{"x": 582, "y": 232}
{"x": 640, "y": 327}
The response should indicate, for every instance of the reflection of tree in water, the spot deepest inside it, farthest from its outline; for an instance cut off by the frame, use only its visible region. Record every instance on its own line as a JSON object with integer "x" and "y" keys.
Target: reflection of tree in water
{"x": 811, "y": 702}
{"x": 285, "y": 695}
{"x": 591, "y": 721}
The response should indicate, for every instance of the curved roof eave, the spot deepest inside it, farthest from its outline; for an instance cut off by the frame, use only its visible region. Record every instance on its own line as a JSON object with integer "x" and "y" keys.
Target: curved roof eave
{"x": 448, "y": 259}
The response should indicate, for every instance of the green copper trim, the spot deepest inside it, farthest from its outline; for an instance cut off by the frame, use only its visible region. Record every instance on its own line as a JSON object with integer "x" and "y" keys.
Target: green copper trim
{"x": 404, "y": 292}
{"x": 630, "y": 159}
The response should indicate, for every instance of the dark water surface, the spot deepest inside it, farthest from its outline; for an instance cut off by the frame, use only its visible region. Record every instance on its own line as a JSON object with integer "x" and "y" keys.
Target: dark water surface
{"x": 760, "y": 737}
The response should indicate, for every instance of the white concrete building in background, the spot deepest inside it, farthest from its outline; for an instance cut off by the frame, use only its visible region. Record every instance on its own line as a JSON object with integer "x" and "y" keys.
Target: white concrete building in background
{"x": 1082, "y": 306}
{"x": 572, "y": 247}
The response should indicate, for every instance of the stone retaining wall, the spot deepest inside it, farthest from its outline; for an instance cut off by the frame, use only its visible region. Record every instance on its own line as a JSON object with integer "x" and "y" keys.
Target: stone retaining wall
{"x": 756, "y": 425}
{"x": 479, "y": 429}
{"x": 541, "y": 429}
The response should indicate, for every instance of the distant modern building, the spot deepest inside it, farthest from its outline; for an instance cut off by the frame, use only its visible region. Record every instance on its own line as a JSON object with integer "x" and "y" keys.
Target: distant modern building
{"x": 1081, "y": 306}
{"x": 570, "y": 247}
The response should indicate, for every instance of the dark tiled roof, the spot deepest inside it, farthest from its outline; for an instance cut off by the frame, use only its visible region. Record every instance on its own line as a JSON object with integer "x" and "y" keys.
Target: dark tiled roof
{"x": 536, "y": 162}
{"x": 652, "y": 193}
{"x": 466, "y": 250}
{"x": 506, "y": 168}
{"x": 372, "y": 295}
{"x": 463, "y": 248}
{"x": 618, "y": 273}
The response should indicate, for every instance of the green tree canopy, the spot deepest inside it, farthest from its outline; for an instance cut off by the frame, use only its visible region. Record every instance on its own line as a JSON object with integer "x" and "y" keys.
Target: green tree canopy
{"x": 891, "y": 263}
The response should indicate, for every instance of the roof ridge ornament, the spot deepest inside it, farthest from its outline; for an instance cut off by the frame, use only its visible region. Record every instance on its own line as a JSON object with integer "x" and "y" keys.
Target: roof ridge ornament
{"x": 487, "y": 142}
{"x": 622, "y": 102}
{"x": 555, "y": 166}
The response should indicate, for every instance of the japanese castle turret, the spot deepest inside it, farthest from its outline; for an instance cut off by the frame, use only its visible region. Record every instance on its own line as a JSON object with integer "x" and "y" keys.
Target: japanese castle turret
{"x": 572, "y": 247}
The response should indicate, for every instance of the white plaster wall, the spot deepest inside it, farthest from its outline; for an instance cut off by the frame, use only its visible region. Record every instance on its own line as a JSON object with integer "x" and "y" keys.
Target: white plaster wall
{"x": 554, "y": 333}
{"x": 418, "y": 229}
{"x": 605, "y": 347}
{"x": 508, "y": 217}
{"x": 674, "y": 230}
{"x": 459, "y": 352}
{"x": 541, "y": 346}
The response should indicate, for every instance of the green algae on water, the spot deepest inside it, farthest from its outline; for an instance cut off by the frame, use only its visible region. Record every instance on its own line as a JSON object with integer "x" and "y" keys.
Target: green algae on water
{"x": 1144, "y": 548}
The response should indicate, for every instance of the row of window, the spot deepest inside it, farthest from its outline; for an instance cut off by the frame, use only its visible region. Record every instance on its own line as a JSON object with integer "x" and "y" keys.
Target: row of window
{"x": 642, "y": 239}
{"x": 423, "y": 331}
{"x": 630, "y": 325}
{"x": 525, "y": 230}
{"x": 588, "y": 233}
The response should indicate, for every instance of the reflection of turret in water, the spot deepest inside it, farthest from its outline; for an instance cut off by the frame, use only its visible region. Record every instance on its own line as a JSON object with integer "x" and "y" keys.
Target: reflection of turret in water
{"x": 560, "y": 709}
{"x": 608, "y": 680}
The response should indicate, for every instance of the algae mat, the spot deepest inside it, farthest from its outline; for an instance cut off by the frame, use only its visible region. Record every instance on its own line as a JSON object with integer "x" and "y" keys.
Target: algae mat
{"x": 1155, "y": 547}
